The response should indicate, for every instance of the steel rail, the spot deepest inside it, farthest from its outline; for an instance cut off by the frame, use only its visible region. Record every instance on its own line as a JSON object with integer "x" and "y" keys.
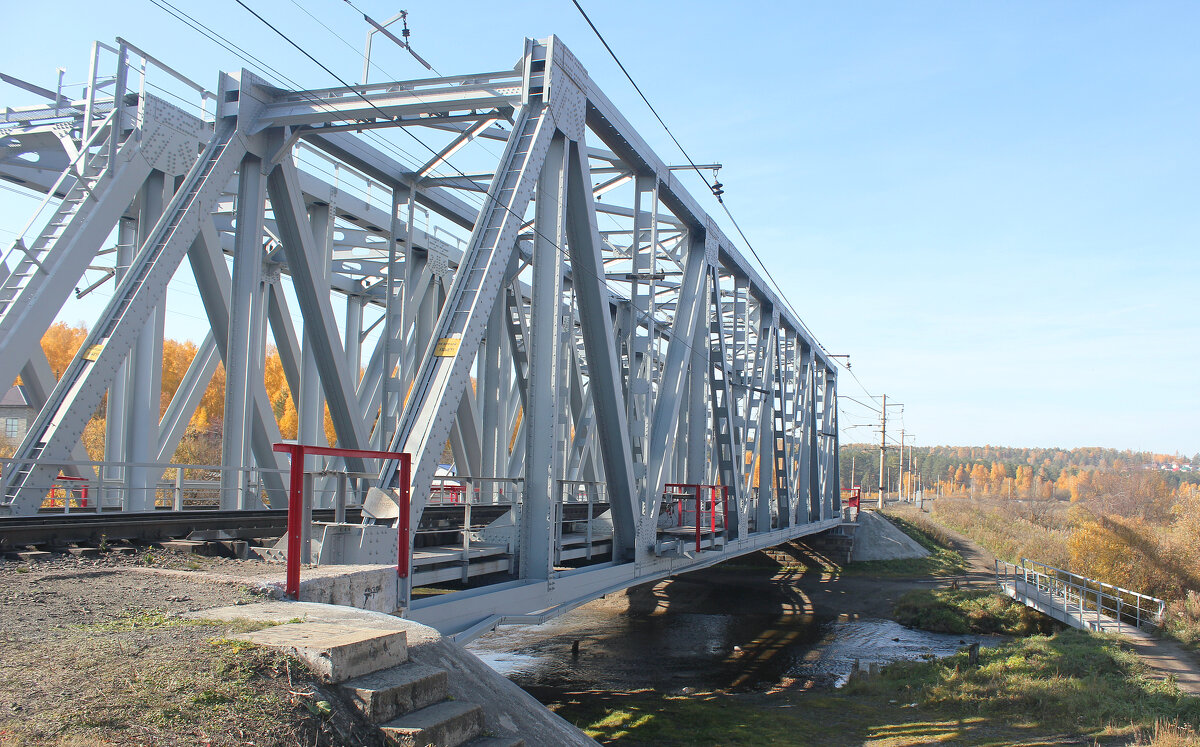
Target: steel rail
{"x": 62, "y": 530}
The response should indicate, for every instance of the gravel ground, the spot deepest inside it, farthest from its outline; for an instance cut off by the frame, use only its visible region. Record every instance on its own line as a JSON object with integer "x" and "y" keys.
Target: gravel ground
{"x": 94, "y": 651}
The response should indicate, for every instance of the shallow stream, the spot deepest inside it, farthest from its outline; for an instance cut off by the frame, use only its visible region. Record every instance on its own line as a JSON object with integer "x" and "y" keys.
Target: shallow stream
{"x": 714, "y": 642}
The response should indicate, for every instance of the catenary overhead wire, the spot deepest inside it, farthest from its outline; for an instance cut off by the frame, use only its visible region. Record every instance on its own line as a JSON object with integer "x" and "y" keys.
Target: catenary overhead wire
{"x": 238, "y": 51}
{"x": 711, "y": 187}
{"x": 432, "y": 150}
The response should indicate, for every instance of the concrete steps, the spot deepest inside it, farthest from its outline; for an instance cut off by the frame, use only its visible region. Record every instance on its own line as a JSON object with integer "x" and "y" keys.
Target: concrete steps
{"x": 447, "y": 724}
{"x": 384, "y": 695}
{"x": 407, "y": 700}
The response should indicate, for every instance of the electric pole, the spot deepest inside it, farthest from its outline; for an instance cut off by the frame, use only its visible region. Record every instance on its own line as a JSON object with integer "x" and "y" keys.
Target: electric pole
{"x": 882, "y": 446}
{"x": 900, "y": 481}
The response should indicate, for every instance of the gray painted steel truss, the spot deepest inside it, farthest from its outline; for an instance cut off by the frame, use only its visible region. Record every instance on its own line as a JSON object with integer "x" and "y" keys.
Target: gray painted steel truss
{"x": 560, "y": 314}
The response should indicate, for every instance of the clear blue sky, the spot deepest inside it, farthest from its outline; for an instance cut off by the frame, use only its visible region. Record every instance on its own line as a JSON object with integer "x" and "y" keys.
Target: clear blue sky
{"x": 992, "y": 207}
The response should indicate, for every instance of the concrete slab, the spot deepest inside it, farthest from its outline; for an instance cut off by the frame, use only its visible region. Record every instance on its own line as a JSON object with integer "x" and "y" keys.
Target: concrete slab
{"x": 287, "y": 612}
{"x": 189, "y": 547}
{"x": 32, "y": 556}
{"x": 336, "y": 652}
{"x": 367, "y": 587}
{"x": 446, "y": 724}
{"x": 876, "y": 538}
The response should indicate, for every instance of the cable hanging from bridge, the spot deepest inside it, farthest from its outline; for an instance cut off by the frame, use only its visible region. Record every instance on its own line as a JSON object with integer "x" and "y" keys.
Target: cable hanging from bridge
{"x": 715, "y": 187}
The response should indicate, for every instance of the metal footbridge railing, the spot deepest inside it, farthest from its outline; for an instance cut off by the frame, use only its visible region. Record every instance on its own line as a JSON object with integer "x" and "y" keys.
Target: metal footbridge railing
{"x": 1076, "y": 600}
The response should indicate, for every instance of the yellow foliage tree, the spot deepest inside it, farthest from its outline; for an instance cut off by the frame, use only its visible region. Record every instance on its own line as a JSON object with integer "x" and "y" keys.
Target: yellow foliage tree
{"x": 60, "y": 343}
{"x": 979, "y": 478}
{"x": 997, "y": 475}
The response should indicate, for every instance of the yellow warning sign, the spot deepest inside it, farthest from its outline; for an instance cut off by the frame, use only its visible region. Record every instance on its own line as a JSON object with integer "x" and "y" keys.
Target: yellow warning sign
{"x": 93, "y": 353}
{"x": 447, "y": 347}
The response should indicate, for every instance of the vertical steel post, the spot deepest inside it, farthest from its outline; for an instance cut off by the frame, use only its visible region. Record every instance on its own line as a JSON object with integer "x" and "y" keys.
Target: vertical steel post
{"x": 466, "y": 538}
{"x": 118, "y": 120}
{"x": 295, "y": 516}
{"x": 90, "y": 104}
{"x": 306, "y": 522}
{"x": 882, "y": 445}
{"x": 339, "y": 501}
{"x": 403, "y": 524}
{"x": 244, "y": 334}
{"x": 144, "y": 366}
{"x": 542, "y": 417}
{"x": 311, "y": 408}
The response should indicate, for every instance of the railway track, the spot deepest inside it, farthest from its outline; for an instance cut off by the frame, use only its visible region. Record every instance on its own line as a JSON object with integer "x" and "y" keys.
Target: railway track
{"x": 61, "y": 530}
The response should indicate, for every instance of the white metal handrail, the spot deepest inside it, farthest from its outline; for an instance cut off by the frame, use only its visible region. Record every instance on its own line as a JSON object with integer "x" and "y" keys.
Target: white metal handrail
{"x": 1094, "y": 600}
{"x": 70, "y": 170}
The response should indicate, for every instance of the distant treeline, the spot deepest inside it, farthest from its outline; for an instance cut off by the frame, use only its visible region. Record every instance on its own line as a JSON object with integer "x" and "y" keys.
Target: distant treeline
{"x": 1015, "y": 472}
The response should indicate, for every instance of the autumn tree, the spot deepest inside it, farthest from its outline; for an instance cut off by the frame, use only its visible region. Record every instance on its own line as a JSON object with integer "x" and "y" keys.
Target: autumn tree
{"x": 979, "y": 478}
{"x": 997, "y": 475}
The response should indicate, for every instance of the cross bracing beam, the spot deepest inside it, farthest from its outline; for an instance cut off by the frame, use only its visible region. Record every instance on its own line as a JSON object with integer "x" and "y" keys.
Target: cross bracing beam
{"x": 561, "y": 320}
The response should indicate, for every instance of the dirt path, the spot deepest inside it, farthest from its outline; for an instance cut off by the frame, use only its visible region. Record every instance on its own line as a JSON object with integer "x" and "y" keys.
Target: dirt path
{"x": 981, "y": 563}
{"x": 1169, "y": 659}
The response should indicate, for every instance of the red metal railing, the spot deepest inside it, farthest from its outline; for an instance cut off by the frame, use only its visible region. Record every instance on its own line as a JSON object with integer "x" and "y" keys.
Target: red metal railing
{"x": 297, "y": 453}
{"x": 83, "y": 490}
{"x": 443, "y": 493}
{"x": 680, "y": 489}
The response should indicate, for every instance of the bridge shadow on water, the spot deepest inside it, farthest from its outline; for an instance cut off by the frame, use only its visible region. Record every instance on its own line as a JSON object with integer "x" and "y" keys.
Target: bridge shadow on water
{"x": 738, "y": 626}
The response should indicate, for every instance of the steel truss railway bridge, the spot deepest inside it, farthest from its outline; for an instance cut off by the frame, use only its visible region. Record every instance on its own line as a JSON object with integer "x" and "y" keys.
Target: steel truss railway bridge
{"x": 491, "y": 273}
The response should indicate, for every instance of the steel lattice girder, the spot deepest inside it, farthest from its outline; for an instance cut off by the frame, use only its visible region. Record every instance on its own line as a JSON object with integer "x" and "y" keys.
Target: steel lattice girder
{"x": 545, "y": 348}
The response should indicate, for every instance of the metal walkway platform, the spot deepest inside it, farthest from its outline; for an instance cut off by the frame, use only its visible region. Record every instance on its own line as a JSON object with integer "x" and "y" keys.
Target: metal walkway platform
{"x": 1078, "y": 601}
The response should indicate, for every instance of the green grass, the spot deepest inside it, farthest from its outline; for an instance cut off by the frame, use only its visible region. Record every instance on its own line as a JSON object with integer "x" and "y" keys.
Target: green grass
{"x": 942, "y": 560}
{"x": 1069, "y": 687}
{"x": 1068, "y": 681}
{"x": 967, "y": 611}
{"x": 644, "y": 717}
{"x": 143, "y": 619}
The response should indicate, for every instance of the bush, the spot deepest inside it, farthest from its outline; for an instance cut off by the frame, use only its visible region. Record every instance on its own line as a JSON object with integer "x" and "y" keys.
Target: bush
{"x": 962, "y": 611}
{"x": 1006, "y": 529}
{"x": 1182, "y": 620}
